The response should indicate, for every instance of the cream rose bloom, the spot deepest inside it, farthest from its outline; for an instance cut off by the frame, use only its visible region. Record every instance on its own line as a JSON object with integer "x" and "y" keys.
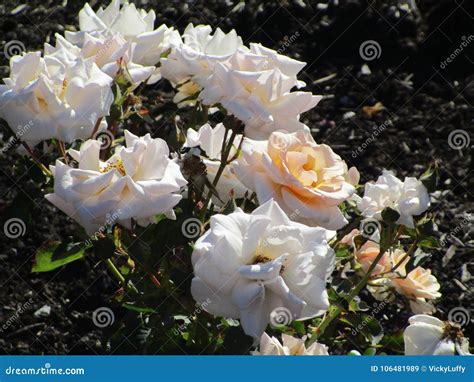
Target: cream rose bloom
{"x": 409, "y": 198}
{"x": 427, "y": 335}
{"x": 289, "y": 346}
{"x": 210, "y": 139}
{"x": 417, "y": 284}
{"x": 192, "y": 60}
{"x": 54, "y": 97}
{"x": 256, "y": 89}
{"x": 251, "y": 266}
{"x": 136, "y": 26}
{"x": 308, "y": 180}
{"x": 138, "y": 182}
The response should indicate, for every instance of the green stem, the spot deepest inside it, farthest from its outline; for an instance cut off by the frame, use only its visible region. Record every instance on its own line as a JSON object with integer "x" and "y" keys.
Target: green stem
{"x": 96, "y": 128}
{"x": 36, "y": 160}
{"x": 115, "y": 272}
{"x": 119, "y": 276}
{"x": 62, "y": 150}
{"x": 337, "y": 310}
{"x": 224, "y": 156}
{"x": 408, "y": 254}
{"x": 347, "y": 229}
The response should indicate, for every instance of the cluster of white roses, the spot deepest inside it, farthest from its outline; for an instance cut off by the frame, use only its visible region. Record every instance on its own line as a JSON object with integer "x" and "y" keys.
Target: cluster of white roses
{"x": 252, "y": 83}
{"x": 68, "y": 89}
{"x": 247, "y": 266}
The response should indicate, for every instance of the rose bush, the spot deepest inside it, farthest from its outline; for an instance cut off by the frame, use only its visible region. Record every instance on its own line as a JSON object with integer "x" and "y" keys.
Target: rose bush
{"x": 231, "y": 227}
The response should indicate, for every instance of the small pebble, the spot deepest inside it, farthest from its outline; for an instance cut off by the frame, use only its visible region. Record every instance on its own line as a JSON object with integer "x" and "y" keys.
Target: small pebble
{"x": 365, "y": 70}
{"x": 349, "y": 115}
{"x": 44, "y": 311}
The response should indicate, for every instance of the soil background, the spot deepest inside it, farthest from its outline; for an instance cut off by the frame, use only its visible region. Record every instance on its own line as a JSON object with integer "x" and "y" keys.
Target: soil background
{"x": 423, "y": 100}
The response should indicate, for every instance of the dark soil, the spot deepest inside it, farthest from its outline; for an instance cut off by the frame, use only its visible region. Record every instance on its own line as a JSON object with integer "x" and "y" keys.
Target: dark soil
{"x": 423, "y": 103}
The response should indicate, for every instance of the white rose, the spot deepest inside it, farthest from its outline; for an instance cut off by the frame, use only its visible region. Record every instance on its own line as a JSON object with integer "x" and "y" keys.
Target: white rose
{"x": 427, "y": 335}
{"x": 257, "y": 91}
{"x": 138, "y": 182}
{"x": 288, "y": 66}
{"x": 409, "y": 198}
{"x": 250, "y": 265}
{"x": 58, "y": 100}
{"x": 291, "y": 346}
{"x": 308, "y": 180}
{"x": 195, "y": 57}
{"x": 134, "y": 25}
{"x": 210, "y": 140}
{"x": 109, "y": 53}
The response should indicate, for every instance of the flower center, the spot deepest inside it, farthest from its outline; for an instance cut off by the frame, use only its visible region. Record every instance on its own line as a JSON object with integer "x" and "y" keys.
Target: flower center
{"x": 260, "y": 259}
{"x": 453, "y": 332}
{"x": 115, "y": 164}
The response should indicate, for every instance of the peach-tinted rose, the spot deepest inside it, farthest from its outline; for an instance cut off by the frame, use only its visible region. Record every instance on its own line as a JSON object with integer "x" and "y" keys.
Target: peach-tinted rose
{"x": 419, "y": 283}
{"x": 366, "y": 255}
{"x": 349, "y": 238}
{"x": 308, "y": 180}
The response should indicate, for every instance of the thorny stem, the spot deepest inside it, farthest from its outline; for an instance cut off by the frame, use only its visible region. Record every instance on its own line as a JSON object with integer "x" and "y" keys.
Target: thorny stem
{"x": 119, "y": 276}
{"x": 406, "y": 256}
{"x": 96, "y": 127}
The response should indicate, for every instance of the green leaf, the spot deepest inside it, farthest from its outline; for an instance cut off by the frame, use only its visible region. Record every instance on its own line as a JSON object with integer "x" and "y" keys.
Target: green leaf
{"x": 429, "y": 242}
{"x": 299, "y": 327}
{"x": 425, "y": 226}
{"x": 370, "y": 351}
{"x": 53, "y": 254}
{"x": 344, "y": 252}
{"x": 64, "y": 250}
{"x": 430, "y": 178}
{"x": 138, "y": 309}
